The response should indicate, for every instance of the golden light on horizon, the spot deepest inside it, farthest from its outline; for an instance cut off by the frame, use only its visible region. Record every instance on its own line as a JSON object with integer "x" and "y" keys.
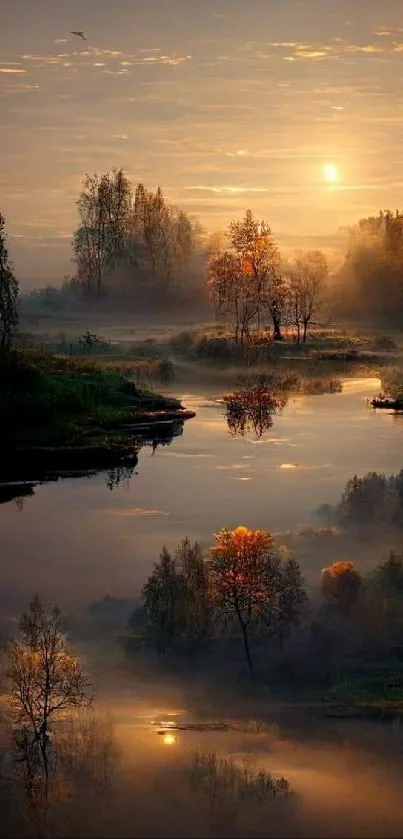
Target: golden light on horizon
{"x": 331, "y": 173}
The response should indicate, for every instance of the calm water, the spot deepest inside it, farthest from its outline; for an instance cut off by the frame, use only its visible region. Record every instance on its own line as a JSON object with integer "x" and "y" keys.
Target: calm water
{"x": 76, "y": 540}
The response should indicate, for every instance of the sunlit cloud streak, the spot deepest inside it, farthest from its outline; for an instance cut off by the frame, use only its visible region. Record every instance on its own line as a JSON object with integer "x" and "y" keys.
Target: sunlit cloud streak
{"x": 225, "y": 107}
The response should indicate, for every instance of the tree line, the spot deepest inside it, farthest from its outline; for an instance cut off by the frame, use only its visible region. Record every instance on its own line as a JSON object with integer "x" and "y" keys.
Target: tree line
{"x": 369, "y": 285}
{"x": 9, "y": 292}
{"x": 130, "y": 242}
{"x": 244, "y": 586}
{"x": 130, "y": 239}
{"x": 249, "y": 594}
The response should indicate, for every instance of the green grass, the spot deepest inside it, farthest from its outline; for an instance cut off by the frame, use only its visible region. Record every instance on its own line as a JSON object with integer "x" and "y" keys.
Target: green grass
{"x": 52, "y": 400}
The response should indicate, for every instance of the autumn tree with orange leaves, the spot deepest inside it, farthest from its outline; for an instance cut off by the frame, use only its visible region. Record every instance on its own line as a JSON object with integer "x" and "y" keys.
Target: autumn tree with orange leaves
{"x": 245, "y": 281}
{"x": 340, "y": 586}
{"x": 251, "y": 584}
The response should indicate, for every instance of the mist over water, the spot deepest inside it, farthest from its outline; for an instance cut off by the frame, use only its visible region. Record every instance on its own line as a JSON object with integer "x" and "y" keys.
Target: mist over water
{"x": 78, "y": 530}
{"x": 75, "y": 540}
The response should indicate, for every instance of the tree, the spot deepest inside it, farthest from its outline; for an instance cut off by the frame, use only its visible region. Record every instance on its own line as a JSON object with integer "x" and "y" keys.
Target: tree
{"x": 246, "y": 280}
{"x": 197, "y": 613}
{"x": 44, "y": 676}
{"x": 340, "y": 586}
{"x": 369, "y": 285}
{"x": 363, "y": 498}
{"x": 292, "y": 598}
{"x": 8, "y": 294}
{"x": 245, "y": 574}
{"x": 253, "y": 242}
{"x": 389, "y": 576}
{"x": 164, "y": 603}
{"x": 307, "y": 277}
{"x": 104, "y": 208}
{"x": 251, "y": 408}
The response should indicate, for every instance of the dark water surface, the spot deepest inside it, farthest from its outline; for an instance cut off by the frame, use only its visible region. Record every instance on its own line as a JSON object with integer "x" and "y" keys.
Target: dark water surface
{"x": 76, "y": 539}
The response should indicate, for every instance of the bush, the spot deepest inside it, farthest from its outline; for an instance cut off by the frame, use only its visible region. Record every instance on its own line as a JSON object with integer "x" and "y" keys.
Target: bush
{"x": 223, "y": 780}
{"x": 183, "y": 343}
{"x": 384, "y": 343}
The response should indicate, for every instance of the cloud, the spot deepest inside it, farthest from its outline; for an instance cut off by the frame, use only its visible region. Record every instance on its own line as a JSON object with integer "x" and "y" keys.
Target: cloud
{"x": 233, "y": 190}
{"x": 132, "y": 512}
{"x": 12, "y": 70}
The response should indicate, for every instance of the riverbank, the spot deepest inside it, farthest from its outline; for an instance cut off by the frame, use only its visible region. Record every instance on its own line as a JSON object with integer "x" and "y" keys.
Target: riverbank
{"x": 64, "y": 414}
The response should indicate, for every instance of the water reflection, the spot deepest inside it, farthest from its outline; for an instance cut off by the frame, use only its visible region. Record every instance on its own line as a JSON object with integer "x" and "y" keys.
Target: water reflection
{"x": 76, "y": 759}
{"x": 251, "y": 409}
{"x": 119, "y": 475}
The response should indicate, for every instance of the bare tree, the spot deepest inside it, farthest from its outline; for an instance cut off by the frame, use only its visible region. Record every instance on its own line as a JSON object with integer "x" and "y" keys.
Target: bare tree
{"x": 8, "y": 294}
{"x": 307, "y": 277}
{"x": 44, "y": 676}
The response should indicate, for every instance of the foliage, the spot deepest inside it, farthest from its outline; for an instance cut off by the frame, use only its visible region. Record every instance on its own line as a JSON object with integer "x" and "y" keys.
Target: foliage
{"x": 248, "y": 283}
{"x": 340, "y": 586}
{"x": 67, "y": 397}
{"x": 8, "y": 295}
{"x": 244, "y": 586}
{"x": 251, "y": 409}
{"x": 369, "y": 284}
{"x": 245, "y": 281}
{"x": 253, "y": 586}
{"x": 164, "y": 603}
{"x": 198, "y": 615}
{"x": 372, "y": 498}
{"x": 44, "y": 676}
{"x": 130, "y": 241}
{"x": 103, "y": 209}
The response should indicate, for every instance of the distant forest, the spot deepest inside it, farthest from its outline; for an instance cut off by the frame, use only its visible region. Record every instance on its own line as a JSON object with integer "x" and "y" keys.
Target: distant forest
{"x": 132, "y": 249}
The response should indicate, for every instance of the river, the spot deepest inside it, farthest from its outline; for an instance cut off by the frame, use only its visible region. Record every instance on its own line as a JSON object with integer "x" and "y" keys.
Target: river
{"x": 76, "y": 540}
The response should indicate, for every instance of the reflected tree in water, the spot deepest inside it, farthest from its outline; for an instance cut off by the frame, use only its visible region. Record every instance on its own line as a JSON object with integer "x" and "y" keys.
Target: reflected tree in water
{"x": 251, "y": 409}
{"x": 80, "y": 762}
{"x": 121, "y": 475}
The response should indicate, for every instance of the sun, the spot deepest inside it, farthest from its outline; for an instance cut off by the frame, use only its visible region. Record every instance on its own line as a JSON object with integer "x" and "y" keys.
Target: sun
{"x": 330, "y": 173}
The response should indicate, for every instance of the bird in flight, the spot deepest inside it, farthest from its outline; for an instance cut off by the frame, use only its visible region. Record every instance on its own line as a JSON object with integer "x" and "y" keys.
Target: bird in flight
{"x": 80, "y": 35}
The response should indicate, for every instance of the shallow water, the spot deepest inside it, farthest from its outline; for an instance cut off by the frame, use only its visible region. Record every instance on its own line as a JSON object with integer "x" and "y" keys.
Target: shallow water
{"x": 75, "y": 540}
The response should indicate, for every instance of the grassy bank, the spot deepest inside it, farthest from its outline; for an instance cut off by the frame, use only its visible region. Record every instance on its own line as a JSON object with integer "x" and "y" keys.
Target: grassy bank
{"x": 54, "y": 401}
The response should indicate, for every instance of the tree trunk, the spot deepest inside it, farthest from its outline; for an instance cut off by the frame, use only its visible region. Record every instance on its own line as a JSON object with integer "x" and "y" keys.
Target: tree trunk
{"x": 305, "y": 331}
{"x": 246, "y": 648}
{"x": 277, "y": 336}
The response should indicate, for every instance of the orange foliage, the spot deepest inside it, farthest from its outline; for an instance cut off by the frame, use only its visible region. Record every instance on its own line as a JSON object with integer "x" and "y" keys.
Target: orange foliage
{"x": 243, "y": 542}
{"x": 338, "y": 568}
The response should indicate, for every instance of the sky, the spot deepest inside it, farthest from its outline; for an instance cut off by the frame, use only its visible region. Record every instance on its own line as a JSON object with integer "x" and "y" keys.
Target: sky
{"x": 227, "y": 104}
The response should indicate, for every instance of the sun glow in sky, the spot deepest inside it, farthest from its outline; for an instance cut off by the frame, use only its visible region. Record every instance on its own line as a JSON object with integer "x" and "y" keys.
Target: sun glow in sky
{"x": 330, "y": 173}
{"x": 226, "y": 105}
